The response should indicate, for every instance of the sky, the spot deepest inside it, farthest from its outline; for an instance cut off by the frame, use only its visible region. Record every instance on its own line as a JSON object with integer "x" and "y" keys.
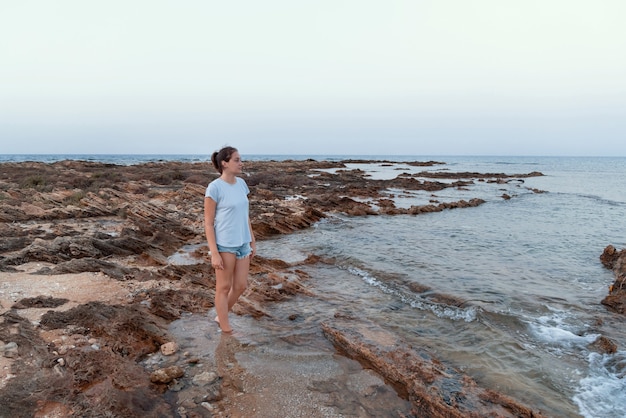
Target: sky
{"x": 324, "y": 77}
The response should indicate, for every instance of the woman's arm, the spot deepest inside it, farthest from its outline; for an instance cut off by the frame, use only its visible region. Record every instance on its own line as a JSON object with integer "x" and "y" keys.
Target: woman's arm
{"x": 209, "y": 230}
{"x": 253, "y": 239}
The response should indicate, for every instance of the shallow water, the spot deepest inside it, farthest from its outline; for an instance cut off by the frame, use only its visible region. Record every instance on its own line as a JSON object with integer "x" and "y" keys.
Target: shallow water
{"x": 527, "y": 271}
{"x": 285, "y": 365}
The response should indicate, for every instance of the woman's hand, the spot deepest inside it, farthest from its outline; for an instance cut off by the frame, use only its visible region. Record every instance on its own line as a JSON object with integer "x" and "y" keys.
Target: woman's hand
{"x": 253, "y": 246}
{"x": 216, "y": 261}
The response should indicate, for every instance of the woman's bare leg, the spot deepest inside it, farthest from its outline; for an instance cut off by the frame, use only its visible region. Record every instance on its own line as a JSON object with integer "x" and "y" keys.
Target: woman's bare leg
{"x": 240, "y": 281}
{"x": 224, "y": 283}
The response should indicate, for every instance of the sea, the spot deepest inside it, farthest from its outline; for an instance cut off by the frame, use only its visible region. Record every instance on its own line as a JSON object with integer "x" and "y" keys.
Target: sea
{"x": 524, "y": 270}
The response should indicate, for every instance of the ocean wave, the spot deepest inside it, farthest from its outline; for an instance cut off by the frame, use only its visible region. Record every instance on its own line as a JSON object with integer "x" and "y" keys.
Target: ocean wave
{"x": 468, "y": 314}
{"x": 560, "y": 330}
{"x": 602, "y": 393}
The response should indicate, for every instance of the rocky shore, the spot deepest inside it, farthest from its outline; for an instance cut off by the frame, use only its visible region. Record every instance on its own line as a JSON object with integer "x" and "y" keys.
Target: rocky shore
{"x": 615, "y": 260}
{"x": 89, "y": 290}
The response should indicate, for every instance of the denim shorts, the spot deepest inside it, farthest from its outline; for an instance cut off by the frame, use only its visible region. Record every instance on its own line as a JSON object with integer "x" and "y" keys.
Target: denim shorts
{"x": 240, "y": 252}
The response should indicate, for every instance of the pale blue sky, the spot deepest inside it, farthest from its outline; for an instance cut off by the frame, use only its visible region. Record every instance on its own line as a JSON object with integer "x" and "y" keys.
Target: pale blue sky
{"x": 440, "y": 77}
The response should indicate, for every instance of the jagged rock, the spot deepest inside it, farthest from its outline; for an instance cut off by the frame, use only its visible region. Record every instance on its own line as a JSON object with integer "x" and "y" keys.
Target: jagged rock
{"x": 616, "y": 261}
{"x": 604, "y": 345}
{"x": 609, "y": 256}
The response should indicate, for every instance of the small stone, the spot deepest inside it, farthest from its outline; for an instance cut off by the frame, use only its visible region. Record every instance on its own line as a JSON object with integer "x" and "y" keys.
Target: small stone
{"x": 182, "y": 412}
{"x": 10, "y": 350}
{"x": 167, "y": 374}
{"x": 177, "y": 386}
{"x": 61, "y": 361}
{"x": 58, "y": 370}
{"x": 188, "y": 404}
{"x": 214, "y": 393}
{"x": 204, "y": 378}
{"x": 207, "y": 406}
{"x": 168, "y": 349}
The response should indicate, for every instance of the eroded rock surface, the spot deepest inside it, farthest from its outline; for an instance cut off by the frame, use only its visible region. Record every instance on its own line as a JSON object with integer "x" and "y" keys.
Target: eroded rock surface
{"x": 615, "y": 260}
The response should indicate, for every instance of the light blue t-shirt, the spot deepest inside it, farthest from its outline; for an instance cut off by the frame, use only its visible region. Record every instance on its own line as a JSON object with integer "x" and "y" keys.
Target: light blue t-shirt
{"x": 231, "y": 212}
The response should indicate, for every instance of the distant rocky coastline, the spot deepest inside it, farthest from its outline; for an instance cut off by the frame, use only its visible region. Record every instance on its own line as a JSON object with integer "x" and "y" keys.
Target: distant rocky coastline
{"x": 123, "y": 223}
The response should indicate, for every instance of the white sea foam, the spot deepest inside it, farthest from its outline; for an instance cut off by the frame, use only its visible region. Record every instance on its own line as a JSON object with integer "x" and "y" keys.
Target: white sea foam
{"x": 554, "y": 330}
{"x": 441, "y": 311}
{"x": 561, "y": 337}
{"x": 602, "y": 393}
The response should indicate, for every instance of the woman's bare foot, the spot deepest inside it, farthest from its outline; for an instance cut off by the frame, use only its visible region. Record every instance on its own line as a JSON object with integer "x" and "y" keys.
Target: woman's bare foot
{"x": 227, "y": 331}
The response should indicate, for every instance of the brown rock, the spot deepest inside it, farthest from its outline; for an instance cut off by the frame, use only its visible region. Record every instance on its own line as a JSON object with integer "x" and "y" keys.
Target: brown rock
{"x": 167, "y": 374}
{"x": 609, "y": 257}
{"x": 604, "y": 345}
{"x": 616, "y": 261}
{"x": 169, "y": 349}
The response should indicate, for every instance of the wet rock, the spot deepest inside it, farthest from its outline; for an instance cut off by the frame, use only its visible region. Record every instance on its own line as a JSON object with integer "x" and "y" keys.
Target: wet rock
{"x": 615, "y": 260}
{"x": 604, "y": 345}
{"x": 434, "y": 389}
{"x": 609, "y": 256}
{"x": 169, "y": 304}
{"x": 166, "y": 375}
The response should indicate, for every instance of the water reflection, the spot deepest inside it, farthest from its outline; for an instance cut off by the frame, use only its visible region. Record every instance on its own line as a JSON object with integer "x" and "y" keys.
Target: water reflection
{"x": 277, "y": 366}
{"x": 188, "y": 255}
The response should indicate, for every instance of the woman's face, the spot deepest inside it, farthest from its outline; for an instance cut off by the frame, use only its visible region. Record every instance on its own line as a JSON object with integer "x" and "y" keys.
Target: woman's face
{"x": 235, "y": 165}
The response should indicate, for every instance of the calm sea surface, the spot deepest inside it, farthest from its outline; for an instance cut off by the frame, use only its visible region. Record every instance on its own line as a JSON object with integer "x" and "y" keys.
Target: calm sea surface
{"x": 527, "y": 271}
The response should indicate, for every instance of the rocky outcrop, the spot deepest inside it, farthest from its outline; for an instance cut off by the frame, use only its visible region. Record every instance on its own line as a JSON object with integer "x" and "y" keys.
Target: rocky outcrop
{"x": 127, "y": 221}
{"x": 434, "y": 389}
{"x": 615, "y": 260}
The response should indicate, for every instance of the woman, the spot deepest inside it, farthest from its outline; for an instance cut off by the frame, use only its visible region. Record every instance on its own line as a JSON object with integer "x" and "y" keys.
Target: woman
{"x": 228, "y": 231}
